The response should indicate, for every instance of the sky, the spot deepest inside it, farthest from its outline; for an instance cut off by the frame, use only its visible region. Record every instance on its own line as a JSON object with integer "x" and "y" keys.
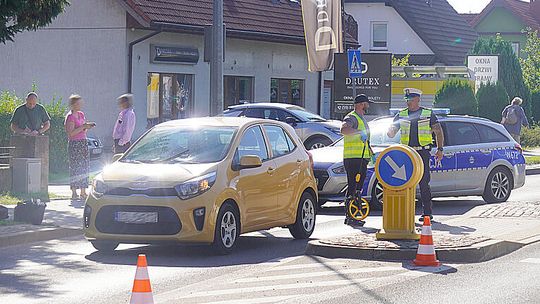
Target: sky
{"x": 469, "y": 6}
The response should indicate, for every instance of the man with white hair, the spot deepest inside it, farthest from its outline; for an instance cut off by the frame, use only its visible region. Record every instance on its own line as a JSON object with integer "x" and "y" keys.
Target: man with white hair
{"x": 513, "y": 118}
{"x": 125, "y": 124}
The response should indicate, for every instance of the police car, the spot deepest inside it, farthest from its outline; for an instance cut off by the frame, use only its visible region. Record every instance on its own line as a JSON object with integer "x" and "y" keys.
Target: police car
{"x": 480, "y": 158}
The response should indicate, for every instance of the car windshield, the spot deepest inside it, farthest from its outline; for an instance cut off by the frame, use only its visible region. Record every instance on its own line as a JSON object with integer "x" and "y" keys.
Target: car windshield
{"x": 305, "y": 115}
{"x": 184, "y": 144}
{"x": 378, "y": 137}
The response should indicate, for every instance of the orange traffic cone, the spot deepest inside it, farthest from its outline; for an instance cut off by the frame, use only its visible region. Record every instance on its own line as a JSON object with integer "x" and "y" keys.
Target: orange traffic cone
{"x": 142, "y": 292}
{"x": 426, "y": 251}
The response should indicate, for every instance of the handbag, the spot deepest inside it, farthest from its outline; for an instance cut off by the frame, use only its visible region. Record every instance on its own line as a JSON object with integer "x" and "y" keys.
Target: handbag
{"x": 29, "y": 212}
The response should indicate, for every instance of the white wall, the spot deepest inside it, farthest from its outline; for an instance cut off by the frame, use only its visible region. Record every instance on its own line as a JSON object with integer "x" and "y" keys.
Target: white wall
{"x": 401, "y": 38}
{"x": 83, "y": 51}
{"x": 260, "y": 60}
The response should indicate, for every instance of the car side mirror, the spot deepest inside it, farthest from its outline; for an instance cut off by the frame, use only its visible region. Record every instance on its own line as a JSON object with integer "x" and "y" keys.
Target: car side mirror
{"x": 291, "y": 121}
{"x": 117, "y": 157}
{"x": 250, "y": 161}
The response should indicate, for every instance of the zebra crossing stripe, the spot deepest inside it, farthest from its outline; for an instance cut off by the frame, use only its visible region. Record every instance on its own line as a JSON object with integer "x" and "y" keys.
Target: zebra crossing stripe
{"x": 262, "y": 300}
{"x": 531, "y": 260}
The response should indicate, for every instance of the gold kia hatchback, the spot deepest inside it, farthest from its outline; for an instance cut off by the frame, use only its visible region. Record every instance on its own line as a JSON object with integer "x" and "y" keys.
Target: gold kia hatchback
{"x": 204, "y": 180}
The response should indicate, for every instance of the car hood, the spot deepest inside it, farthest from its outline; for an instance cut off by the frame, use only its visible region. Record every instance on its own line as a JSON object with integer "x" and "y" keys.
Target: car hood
{"x": 152, "y": 175}
{"x": 332, "y": 124}
{"x": 332, "y": 155}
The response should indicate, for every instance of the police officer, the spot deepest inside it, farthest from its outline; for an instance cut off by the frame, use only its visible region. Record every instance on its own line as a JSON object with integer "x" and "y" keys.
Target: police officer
{"x": 356, "y": 149}
{"x": 417, "y": 125}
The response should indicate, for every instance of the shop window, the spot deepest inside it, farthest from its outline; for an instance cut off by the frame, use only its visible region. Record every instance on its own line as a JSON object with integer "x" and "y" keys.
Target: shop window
{"x": 238, "y": 90}
{"x": 169, "y": 96}
{"x": 289, "y": 91}
{"x": 379, "y": 35}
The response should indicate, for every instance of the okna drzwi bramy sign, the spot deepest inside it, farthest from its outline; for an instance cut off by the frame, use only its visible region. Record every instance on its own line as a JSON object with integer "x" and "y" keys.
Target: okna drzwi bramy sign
{"x": 485, "y": 68}
{"x": 376, "y": 83}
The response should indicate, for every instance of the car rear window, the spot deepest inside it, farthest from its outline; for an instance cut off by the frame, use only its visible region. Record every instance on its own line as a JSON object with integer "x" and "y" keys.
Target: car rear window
{"x": 490, "y": 135}
{"x": 462, "y": 133}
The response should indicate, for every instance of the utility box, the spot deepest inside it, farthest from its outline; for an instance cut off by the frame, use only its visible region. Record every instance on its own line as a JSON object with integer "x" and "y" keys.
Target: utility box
{"x": 26, "y": 175}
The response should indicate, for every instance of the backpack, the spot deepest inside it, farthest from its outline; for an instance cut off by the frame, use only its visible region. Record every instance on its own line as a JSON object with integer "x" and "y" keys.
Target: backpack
{"x": 511, "y": 116}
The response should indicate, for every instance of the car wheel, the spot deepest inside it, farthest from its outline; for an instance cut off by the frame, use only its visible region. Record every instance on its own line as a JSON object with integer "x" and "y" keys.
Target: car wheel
{"x": 305, "y": 217}
{"x": 104, "y": 246}
{"x": 317, "y": 142}
{"x": 227, "y": 229}
{"x": 498, "y": 186}
{"x": 376, "y": 196}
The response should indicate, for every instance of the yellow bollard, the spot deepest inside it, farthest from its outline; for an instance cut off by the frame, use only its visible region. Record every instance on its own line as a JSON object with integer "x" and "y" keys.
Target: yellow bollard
{"x": 399, "y": 169}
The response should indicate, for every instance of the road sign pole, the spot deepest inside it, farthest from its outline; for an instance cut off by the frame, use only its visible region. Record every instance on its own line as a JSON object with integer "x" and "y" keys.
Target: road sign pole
{"x": 354, "y": 87}
{"x": 216, "y": 65}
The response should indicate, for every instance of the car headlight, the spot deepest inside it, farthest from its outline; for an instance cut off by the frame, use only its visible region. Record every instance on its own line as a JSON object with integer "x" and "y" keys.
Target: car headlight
{"x": 196, "y": 186}
{"x": 99, "y": 188}
{"x": 339, "y": 170}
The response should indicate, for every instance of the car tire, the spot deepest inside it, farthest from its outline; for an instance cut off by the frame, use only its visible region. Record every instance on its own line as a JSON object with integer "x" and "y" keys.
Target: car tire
{"x": 305, "y": 217}
{"x": 317, "y": 142}
{"x": 227, "y": 229}
{"x": 104, "y": 246}
{"x": 499, "y": 185}
{"x": 376, "y": 201}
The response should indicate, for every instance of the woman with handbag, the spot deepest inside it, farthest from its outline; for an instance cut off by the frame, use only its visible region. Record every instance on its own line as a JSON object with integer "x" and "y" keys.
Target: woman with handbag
{"x": 79, "y": 166}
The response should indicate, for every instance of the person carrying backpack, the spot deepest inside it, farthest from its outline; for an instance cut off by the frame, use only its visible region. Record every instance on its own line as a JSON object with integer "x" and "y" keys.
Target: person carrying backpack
{"x": 513, "y": 118}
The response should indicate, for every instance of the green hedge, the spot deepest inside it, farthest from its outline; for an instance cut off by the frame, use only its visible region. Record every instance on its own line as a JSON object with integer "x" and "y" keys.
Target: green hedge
{"x": 530, "y": 137}
{"x": 58, "y": 155}
{"x": 492, "y": 98}
{"x": 458, "y": 95}
{"x": 535, "y": 100}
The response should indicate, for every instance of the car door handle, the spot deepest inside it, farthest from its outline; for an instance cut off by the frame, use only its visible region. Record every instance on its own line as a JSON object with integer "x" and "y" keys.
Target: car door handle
{"x": 299, "y": 161}
{"x": 270, "y": 170}
{"x": 448, "y": 154}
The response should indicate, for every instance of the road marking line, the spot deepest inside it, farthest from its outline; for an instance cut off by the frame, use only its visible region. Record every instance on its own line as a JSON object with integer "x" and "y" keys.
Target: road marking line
{"x": 302, "y": 266}
{"x": 242, "y": 290}
{"x": 277, "y": 299}
{"x": 317, "y": 274}
{"x": 531, "y": 260}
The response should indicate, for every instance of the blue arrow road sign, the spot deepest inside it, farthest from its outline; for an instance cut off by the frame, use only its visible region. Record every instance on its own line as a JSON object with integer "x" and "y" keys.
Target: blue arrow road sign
{"x": 396, "y": 168}
{"x": 355, "y": 63}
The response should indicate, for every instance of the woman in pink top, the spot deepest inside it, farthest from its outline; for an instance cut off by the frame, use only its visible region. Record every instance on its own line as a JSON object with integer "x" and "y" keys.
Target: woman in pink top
{"x": 76, "y": 127}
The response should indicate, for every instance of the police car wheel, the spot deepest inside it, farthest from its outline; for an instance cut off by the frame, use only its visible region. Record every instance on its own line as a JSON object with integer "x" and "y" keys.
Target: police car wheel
{"x": 305, "y": 217}
{"x": 498, "y": 186}
{"x": 376, "y": 196}
{"x": 104, "y": 246}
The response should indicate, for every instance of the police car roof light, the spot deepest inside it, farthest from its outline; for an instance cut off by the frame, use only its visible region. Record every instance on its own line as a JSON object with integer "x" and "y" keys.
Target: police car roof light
{"x": 436, "y": 111}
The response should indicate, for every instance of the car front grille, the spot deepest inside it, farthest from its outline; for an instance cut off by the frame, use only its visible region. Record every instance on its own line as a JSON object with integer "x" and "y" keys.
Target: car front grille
{"x": 121, "y": 191}
{"x": 167, "y": 223}
{"x": 322, "y": 178}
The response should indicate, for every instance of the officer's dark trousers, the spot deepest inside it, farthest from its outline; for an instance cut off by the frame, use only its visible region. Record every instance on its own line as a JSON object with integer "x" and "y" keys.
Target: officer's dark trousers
{"x": 354, "y": 166}
{"x": 425, "y": 190}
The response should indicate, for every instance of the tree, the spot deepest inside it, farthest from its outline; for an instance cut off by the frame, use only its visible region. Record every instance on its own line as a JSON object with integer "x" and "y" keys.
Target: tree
{"x": 24, "y": 15}
{"x": 458, "y": 95}
{"x": 531, "y": 70}
{"x": 510, "y": 73}
{"x": 492, "y": 98}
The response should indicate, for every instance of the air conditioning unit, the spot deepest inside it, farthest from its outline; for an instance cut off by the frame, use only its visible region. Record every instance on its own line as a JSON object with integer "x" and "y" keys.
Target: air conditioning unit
{"x": 26, "y": 175}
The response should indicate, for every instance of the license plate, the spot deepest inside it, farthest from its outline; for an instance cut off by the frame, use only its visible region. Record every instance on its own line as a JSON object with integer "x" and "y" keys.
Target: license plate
{"x": 136, "y": 217}
{"x": 96, "y": 151}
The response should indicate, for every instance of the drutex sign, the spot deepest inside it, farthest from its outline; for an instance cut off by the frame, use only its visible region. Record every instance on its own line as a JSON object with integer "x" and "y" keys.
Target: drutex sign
{"x": 376, "y": 82}
{"x": 485, "y": 68}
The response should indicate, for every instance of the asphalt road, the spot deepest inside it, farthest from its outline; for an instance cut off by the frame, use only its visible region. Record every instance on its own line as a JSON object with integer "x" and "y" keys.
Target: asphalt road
{"x": 267, "y": 267}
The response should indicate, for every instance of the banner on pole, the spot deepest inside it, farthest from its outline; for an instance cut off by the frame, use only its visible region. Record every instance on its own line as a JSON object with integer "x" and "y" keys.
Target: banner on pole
{"x": 323, "y": 32}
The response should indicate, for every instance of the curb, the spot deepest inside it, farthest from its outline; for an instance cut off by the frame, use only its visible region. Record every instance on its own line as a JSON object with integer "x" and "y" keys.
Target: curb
{"x": 480, "y": 252}
{"x": 46, "y": 234}
{"x": 532, "y": 171}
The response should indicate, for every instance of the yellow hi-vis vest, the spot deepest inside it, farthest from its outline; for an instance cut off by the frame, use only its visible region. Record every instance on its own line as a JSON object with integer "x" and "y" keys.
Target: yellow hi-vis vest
{"x": 353, "y": 146}
{"x": 424, "y": 129}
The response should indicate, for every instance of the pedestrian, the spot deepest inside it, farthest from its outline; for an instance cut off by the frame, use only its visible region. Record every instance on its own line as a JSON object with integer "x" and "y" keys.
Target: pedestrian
{"x": 30, "y": 118}
{"x": 417, "y": 124}
{"x": 125, "y": 124}
{"x": 513, "y": 118}
{"x": 76, "y": 128}
{"x": 356, "y": 149}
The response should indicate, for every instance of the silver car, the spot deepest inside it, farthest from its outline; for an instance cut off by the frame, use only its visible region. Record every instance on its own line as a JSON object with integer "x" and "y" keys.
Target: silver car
{"x": 315, "y": 131}
{"x": 480, "y": 158}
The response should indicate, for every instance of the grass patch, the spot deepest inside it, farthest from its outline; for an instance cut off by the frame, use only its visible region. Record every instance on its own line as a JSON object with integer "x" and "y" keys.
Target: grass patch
{"x": 59, "y": 178}
{"x": 8, "y": 199}
{"x": 8, "y": 223}
{"x": 532, "y": 160}
{"x": 14, "y": 198}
